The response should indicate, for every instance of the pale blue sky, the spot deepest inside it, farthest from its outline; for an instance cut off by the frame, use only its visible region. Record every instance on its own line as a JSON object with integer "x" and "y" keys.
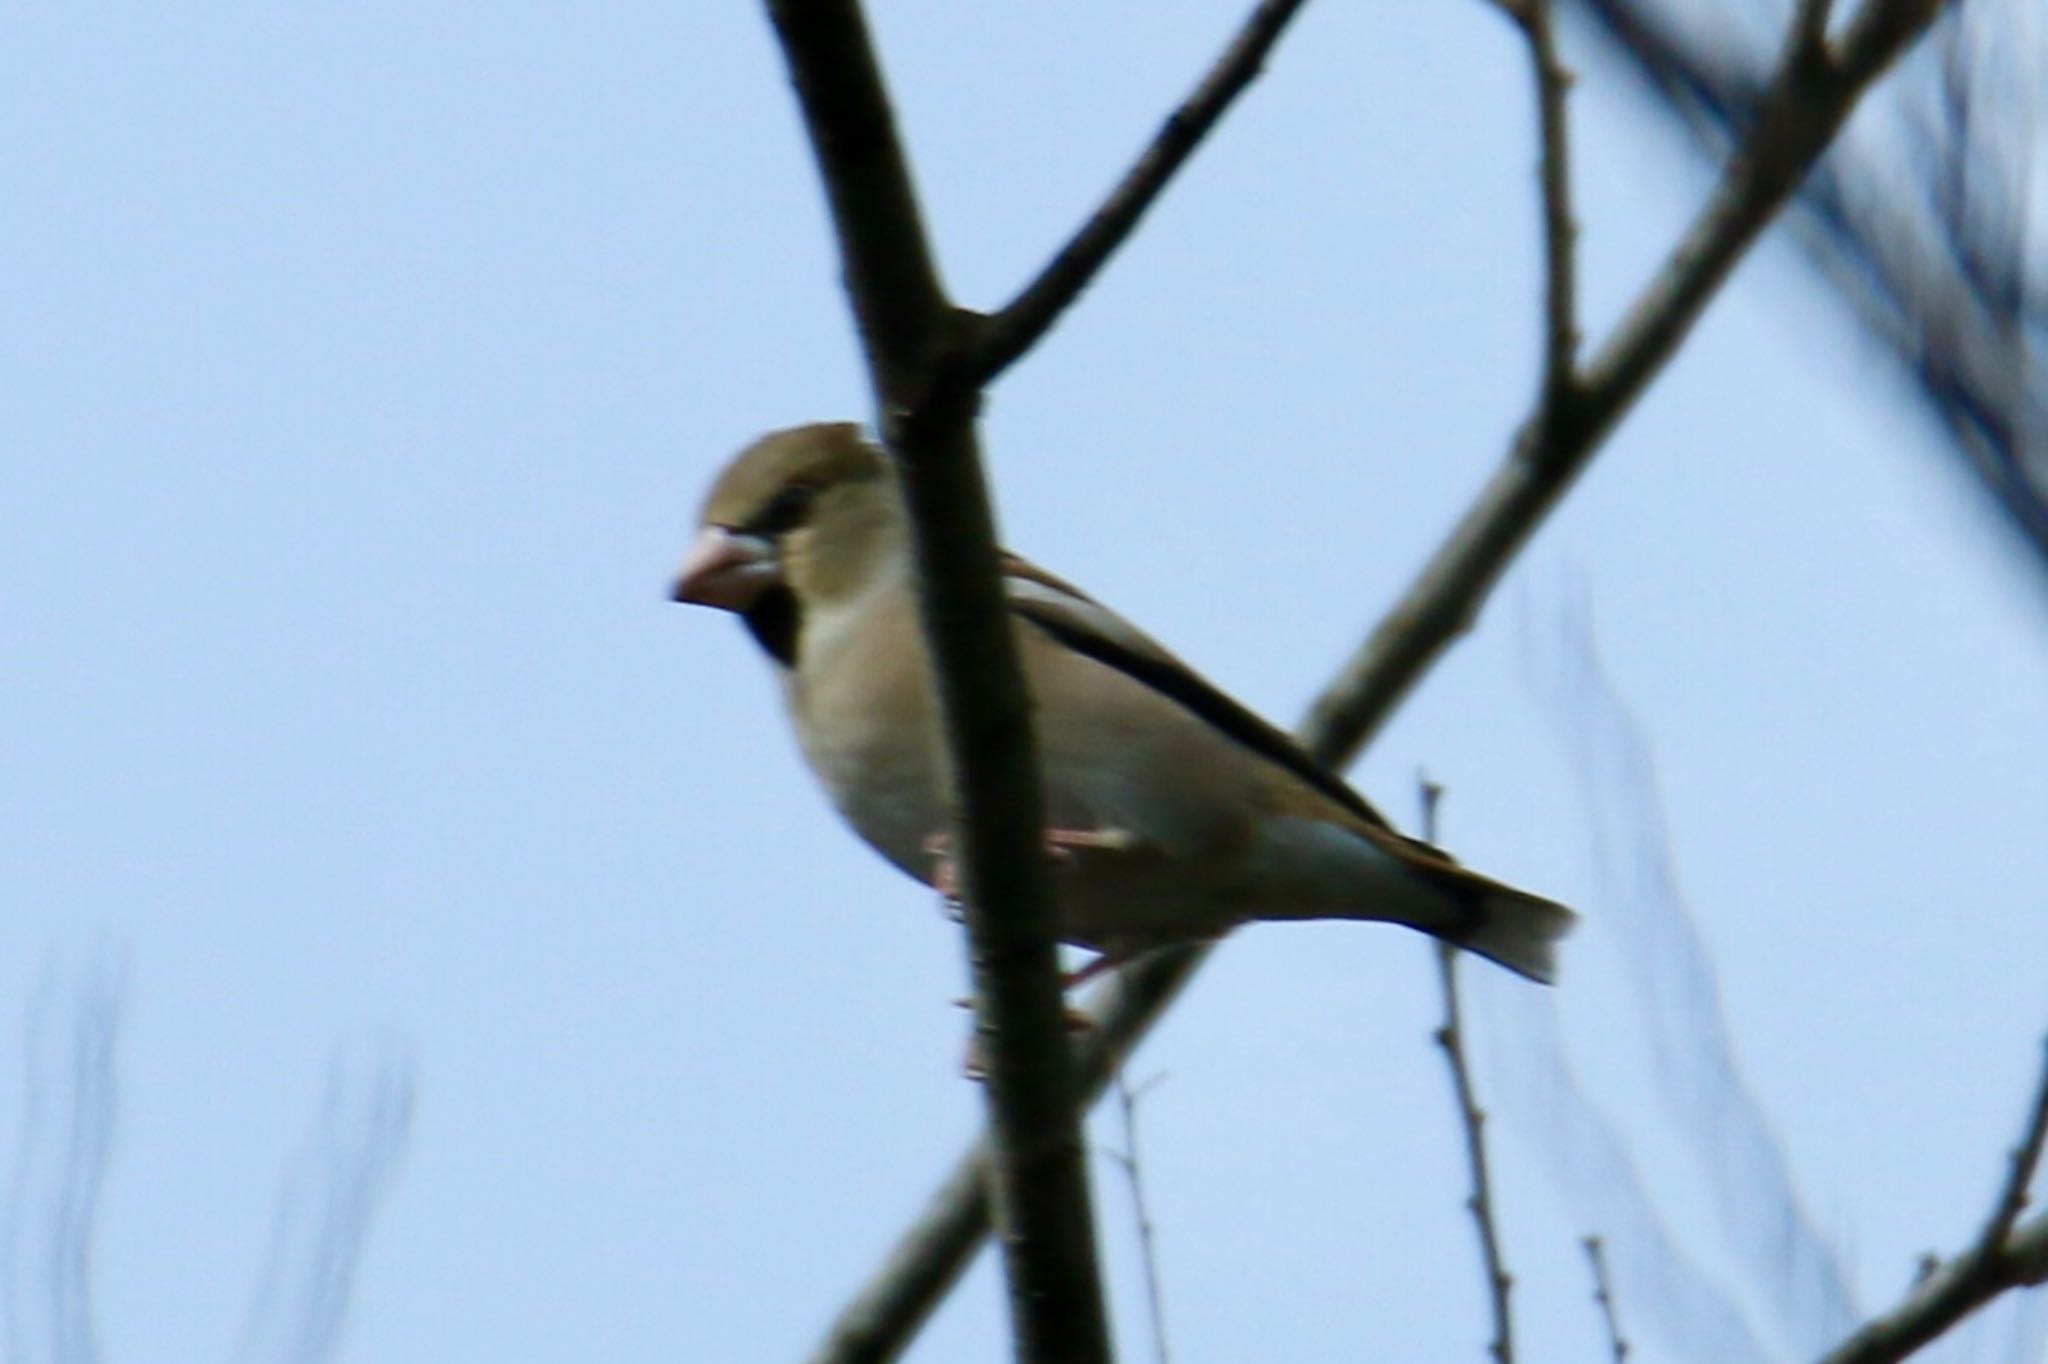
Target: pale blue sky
{"x": 366, "y": 363}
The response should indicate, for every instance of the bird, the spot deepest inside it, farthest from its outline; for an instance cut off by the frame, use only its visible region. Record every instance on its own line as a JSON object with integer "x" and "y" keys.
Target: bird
{"x": 1173, "y": 814}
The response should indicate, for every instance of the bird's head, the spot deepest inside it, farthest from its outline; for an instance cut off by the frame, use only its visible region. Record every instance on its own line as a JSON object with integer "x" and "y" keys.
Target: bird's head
{"x": 801, "y": 518}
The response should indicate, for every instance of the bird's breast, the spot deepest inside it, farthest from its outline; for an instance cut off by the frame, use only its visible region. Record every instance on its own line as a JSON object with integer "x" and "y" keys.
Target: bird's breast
{"x": 866, "y": 723}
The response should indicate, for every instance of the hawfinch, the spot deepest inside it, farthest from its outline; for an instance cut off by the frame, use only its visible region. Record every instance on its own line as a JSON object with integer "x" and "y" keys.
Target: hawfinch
{"x": 1172, "y": 812}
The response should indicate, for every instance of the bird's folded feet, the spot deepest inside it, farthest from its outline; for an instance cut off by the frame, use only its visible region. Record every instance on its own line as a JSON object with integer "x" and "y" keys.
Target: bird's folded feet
{"x": 1061, "y": 846}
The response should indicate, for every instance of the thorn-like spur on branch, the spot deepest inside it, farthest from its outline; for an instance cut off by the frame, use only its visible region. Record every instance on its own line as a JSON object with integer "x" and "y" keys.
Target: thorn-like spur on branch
{"x": 1008, "y": 334}
{"x": 911, "y": 334}
{"x": 1450, "y": 1036}
{"x": 2008, "y": 1254}
{"x": 1810, "y": 96}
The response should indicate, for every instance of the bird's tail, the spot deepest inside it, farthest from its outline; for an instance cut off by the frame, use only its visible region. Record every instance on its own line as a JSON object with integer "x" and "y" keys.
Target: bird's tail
{"x": 1317, "y": 869}
{"x": 1509, "y": 926}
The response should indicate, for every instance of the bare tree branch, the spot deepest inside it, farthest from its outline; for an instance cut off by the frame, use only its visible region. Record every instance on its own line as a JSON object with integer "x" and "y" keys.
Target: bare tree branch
{"x": 1809, "y": 98}
{"x": 2007, "y": 1254}
{"x": 1603, "y": 1295}
{"x": 1026, "y": 318}
{"x": 1450, "y": 1036}
{"x": 916, "y": 344}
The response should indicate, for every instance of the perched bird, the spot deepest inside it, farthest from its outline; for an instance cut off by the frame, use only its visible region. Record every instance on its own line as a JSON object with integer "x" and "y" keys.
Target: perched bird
{"x": 1174, "y": 813}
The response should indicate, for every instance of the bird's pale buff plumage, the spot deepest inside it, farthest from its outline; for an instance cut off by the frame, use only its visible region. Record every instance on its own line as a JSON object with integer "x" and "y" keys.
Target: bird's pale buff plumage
{"x": 1192, "y": 814}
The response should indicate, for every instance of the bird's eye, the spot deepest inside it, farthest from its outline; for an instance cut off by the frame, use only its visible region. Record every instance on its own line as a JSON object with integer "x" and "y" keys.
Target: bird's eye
{"x": 785, "y": 511}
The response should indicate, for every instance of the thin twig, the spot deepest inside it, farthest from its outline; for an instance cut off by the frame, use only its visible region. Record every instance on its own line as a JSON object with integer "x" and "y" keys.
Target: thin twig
{"x": 1130, "y": 1163}
{"x": 1013, "y": 330}
{"x": 1603, "y": 1294}
{"x": 1552, "y": 449}
{"x": 912, "y": 337}
{"x": 1450, "y": 1036}
{"x": 2007, "y": 1254}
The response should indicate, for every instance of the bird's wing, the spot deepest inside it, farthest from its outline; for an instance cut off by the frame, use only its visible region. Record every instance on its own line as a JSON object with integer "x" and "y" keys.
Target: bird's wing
{"x": 1078, "y": 622}
{"x": 1081, "y": 623}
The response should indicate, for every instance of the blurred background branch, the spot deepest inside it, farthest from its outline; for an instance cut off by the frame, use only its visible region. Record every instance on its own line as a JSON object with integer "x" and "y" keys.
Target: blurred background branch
{"x": 1698, "y": 1079}
{"x": 1797, "y": 1276}
{"x": 1923, "y": 224}
{"x": 67, "y": 1128}
{"x": 323, "y": 1216}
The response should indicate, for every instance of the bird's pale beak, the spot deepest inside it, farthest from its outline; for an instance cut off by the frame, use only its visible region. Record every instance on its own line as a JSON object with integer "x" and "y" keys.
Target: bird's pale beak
{"x": 727, "y": 569}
